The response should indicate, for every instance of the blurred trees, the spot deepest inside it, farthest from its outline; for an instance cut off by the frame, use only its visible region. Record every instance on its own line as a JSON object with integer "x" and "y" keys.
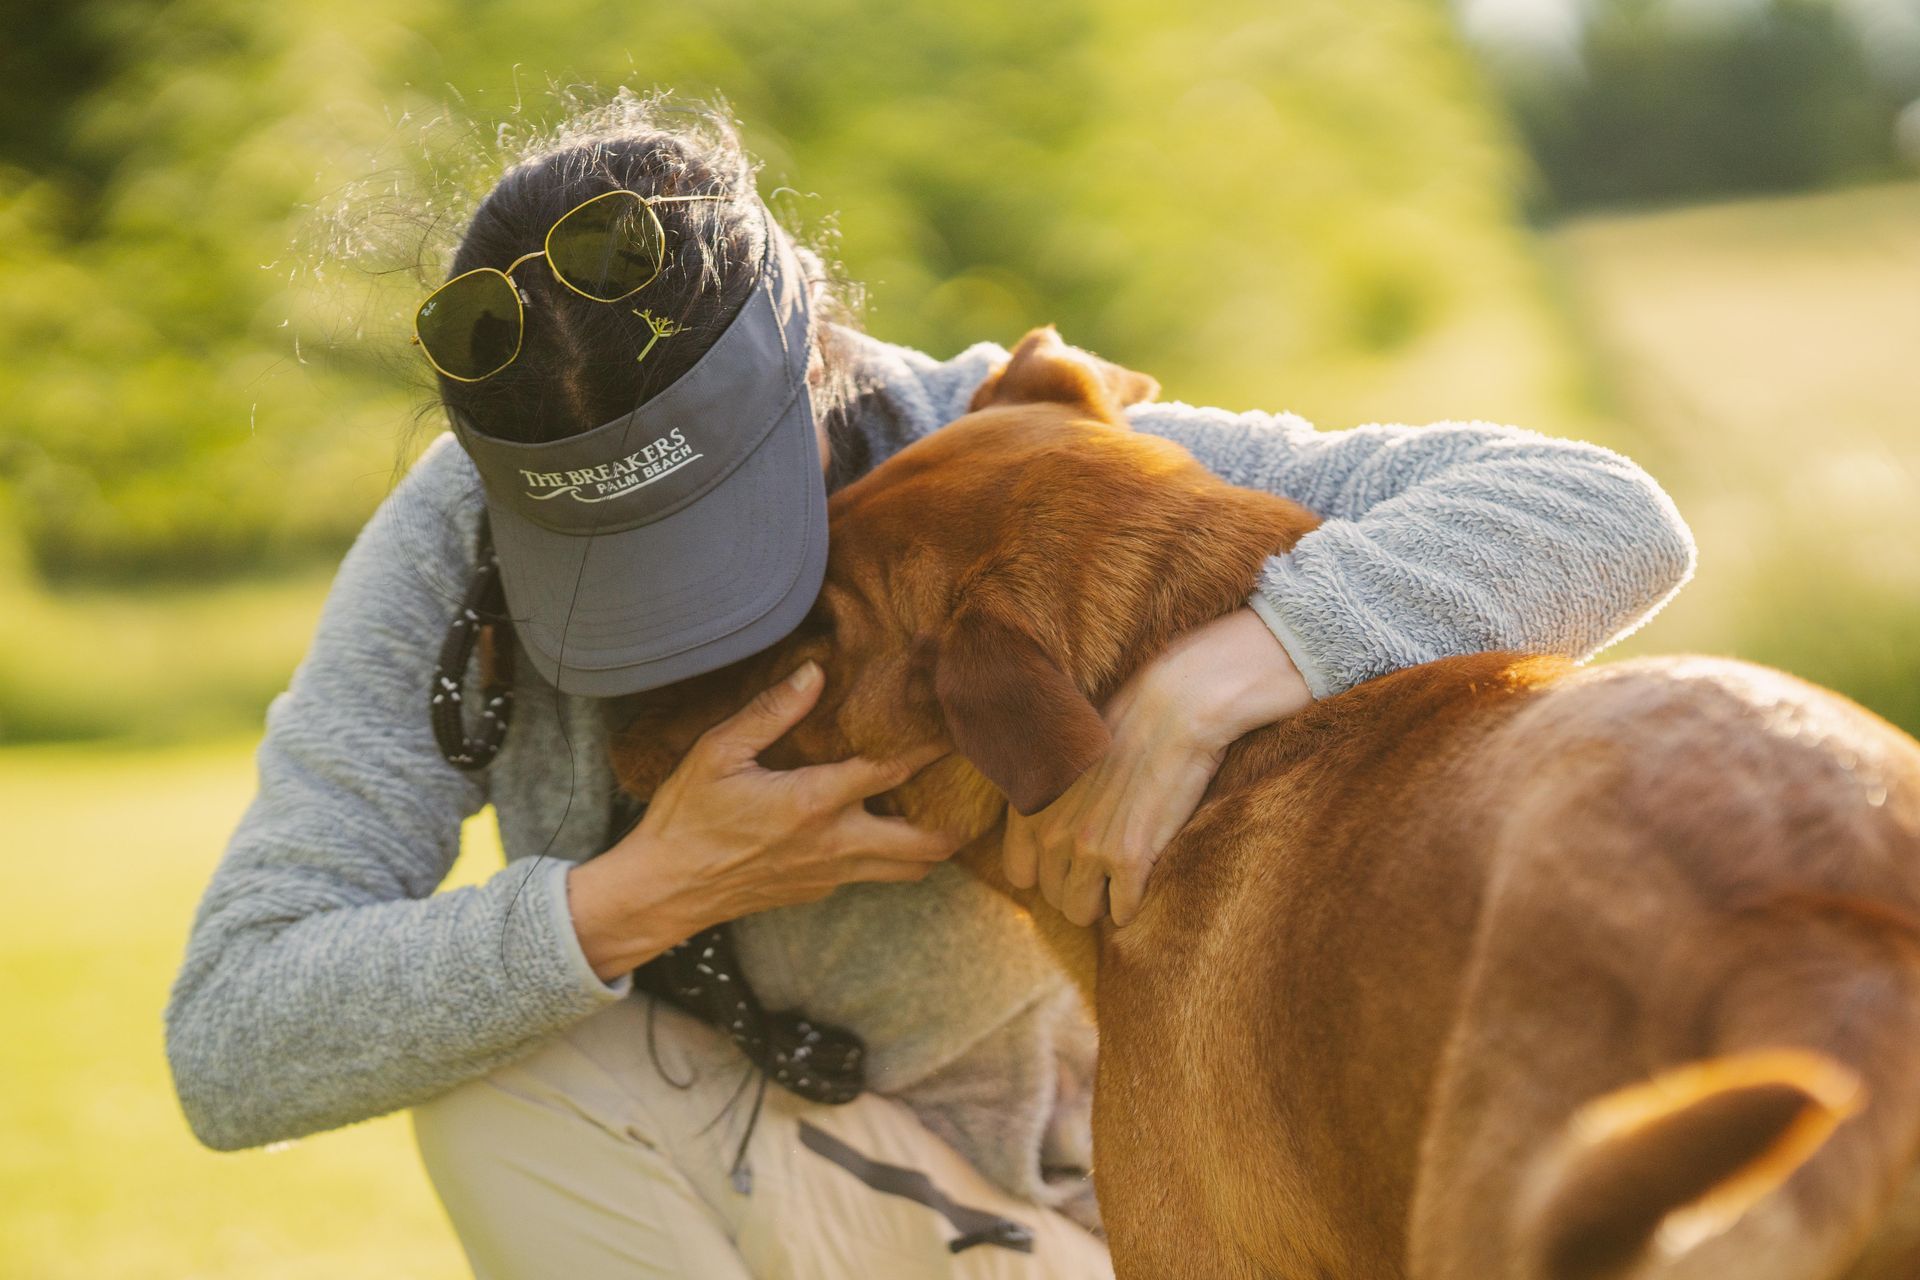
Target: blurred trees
{"x": 159, "y": 416}
{"x": 1667, "y": 101}
{"x": 216, "y": 216}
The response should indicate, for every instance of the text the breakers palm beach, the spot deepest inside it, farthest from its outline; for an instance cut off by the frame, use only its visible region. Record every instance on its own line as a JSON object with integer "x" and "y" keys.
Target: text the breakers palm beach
{"x": 611, "y": 479}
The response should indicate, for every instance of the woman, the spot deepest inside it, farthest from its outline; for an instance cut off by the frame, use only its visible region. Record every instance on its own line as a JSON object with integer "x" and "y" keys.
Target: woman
{"x": 651, "y": 397}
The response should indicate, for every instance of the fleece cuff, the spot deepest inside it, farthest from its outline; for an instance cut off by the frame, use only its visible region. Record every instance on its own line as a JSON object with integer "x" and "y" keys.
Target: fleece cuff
{"x": 548, "y": 886}
{"x": 1317, "y": 682}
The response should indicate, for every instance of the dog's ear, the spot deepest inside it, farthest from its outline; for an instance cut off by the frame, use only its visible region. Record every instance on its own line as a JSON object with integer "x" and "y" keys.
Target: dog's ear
{"x": 1043, "y": 368}
{"x": 1671, "y": 1162}
{"x": 1012, "y": 711}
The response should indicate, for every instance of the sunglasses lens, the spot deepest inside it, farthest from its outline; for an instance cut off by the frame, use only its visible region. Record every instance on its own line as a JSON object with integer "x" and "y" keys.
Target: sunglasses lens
{"x": 607, "y": 248}
{"x": 471, "y": 326}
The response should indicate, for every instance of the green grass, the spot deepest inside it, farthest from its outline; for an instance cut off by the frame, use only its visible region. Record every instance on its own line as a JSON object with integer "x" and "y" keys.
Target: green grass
{"x": 99, "y": 1176}
{"x": 165, "y": 664}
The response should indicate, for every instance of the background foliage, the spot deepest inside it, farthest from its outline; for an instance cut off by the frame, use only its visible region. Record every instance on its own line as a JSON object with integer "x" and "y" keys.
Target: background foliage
{"x": 1666, "y": 101}
{"x": 1260, "y": 204}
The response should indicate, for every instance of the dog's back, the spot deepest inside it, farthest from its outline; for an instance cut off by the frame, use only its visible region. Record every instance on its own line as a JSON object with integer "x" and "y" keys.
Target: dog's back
{"x": 1496, "y": 969}
{"x": 1690, "y": 1045}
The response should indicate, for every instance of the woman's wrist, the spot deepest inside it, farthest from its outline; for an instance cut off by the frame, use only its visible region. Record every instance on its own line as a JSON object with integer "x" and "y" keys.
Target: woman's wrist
{"x": 623, "y": 919}
{"x": 1229, "y": 677}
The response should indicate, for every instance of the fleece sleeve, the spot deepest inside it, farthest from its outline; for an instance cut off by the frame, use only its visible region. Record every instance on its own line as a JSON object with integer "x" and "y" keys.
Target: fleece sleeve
{"x": 1442, "y": 540}
{"x": 324, "y": 981}
{"x": 1436, "y": 541}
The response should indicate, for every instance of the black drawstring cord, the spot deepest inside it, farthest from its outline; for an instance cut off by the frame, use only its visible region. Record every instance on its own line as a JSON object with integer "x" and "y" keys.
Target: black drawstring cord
{"x": 653, "y": 1049}
{"x": 703, "y": 976}
{"x": 479, "y": 623}
{"x": 741, "y": 1174}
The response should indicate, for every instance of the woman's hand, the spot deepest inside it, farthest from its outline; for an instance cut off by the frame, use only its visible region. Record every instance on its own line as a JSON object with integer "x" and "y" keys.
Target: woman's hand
{"x": 723, "y": 837}
{"x": 1171, "y": 724}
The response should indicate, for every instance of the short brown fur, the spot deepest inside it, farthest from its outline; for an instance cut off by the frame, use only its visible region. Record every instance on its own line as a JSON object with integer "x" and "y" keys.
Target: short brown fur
{"x": 1414, "y": 933}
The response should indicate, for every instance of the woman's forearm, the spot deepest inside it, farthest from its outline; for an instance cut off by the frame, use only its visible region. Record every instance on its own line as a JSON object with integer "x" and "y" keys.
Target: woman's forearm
{"x": 1443, "y": 540}
{"x": 280, "y": 1028}
{"x": 624, "y": 919}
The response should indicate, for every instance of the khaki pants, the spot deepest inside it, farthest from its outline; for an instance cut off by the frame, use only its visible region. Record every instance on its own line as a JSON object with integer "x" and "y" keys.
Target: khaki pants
{"x": 582, "y": 1161}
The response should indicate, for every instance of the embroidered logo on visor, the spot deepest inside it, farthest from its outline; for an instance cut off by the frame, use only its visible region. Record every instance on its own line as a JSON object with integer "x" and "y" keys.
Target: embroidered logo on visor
{"x": 614, "y": 479}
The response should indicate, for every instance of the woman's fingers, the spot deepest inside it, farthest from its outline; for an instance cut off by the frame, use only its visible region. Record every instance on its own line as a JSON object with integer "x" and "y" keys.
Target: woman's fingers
{"x": 1127, "y": 890}
{"x": 742, "y": 736}
{"x": 862, "y": 835}
{"x": 1085, "y": 852}
{"x": 886, "y": 871}
{"x": 856, "y": 778}
{"x": 1054, "y": 864}
{"x": 1083, "y": 894}
{"x": 1019, "y": 852}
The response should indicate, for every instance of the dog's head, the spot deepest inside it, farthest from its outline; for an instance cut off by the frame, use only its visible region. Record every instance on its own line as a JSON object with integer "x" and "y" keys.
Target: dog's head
{"x": 988, "y": 587}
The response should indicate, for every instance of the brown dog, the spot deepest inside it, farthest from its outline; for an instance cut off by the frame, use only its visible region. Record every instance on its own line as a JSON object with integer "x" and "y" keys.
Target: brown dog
{"x": 1491, "y": 969}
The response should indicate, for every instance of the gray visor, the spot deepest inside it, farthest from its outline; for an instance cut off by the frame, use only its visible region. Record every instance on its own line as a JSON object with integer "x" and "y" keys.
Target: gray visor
{"x": 679, "y": 537}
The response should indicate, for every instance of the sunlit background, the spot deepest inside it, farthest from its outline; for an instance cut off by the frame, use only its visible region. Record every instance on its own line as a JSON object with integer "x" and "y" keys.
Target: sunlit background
{"x": 1689, "y": 229}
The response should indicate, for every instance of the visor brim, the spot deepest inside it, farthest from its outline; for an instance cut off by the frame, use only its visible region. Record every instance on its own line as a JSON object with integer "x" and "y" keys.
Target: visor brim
{"x": 606, "y": 614}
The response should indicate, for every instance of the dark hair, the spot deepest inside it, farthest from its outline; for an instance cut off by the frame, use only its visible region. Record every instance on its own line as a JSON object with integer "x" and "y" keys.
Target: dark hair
{"x": 577, "y": 366}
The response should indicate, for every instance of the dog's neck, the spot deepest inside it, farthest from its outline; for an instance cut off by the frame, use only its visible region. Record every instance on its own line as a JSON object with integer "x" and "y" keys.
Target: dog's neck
{"x": 1142, "y": 609}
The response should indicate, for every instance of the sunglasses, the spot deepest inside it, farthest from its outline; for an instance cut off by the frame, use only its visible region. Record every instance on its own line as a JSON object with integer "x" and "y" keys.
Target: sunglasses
{"x": 607, "y": 248}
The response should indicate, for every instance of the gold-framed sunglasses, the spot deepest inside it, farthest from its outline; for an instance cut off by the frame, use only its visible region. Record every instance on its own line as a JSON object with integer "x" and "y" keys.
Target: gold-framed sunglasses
{"x": 607, "y": 248}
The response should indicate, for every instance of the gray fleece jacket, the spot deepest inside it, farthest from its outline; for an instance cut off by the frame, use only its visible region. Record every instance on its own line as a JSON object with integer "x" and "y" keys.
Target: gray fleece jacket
{"x": 325, "y": 982}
